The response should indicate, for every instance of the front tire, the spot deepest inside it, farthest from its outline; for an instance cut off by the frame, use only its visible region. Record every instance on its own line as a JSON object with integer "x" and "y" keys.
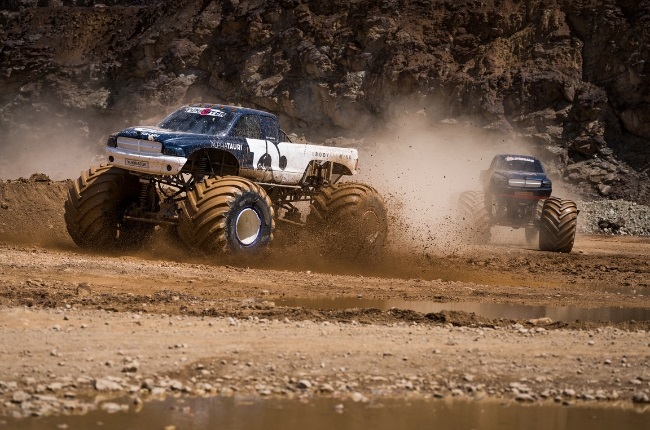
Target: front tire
{"x": 532, "y": 231}
{"x": 228, "y": 214}
{"x": 476, "y": 222}
{"x": 532, "y": 235}
{"x": 95, "y": 206}
{"x": 351, "y": 221}
{"x": 558, "y": 225}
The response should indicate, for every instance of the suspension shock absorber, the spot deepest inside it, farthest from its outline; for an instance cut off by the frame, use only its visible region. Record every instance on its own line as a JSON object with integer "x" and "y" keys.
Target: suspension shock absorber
{"x": 144, "y": 193}
{"x": 200, "y": 168}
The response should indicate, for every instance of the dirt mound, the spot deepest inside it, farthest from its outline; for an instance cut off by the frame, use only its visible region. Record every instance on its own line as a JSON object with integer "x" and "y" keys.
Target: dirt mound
{"x": 31, "y": 211}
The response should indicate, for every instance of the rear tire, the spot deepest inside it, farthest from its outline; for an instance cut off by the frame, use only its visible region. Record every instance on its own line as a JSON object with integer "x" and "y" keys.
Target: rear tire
{"x": 475, "y": 218}
{"x": 226, "y": 214}
{"x": 558, "y": 225}
{"x": 351, "y": 221}
{"x": 94, "y": 208}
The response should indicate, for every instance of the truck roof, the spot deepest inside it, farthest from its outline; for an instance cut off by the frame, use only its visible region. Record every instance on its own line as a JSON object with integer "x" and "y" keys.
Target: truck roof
{"x": 232, "y": 108}
{"x": 517, "y": 162}
{"x": 516, "y": 156}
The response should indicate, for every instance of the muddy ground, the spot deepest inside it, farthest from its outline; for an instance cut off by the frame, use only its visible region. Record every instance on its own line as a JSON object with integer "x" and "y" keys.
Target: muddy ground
{"x": 81, "y": 329}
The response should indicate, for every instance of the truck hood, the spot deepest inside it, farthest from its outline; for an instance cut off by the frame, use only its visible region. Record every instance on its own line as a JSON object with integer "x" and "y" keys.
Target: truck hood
{"x": 509, "y": 174}
{"x": 166, "y": 137}
{"x": 176, "y": 142}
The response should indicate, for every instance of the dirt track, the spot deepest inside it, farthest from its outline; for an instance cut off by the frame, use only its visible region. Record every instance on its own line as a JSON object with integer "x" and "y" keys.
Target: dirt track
{"x": 74, "y": 323}
{"x": 602, "y": 271}
{"x": 82, "y": 328}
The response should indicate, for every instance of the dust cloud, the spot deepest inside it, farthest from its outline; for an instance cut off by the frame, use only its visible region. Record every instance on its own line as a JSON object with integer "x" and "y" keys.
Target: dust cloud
{"x": 59, "y": 146}
{"x": 58, "y": 157}
{"x": 40, "y": 140}
{"x": 421, "y": 168}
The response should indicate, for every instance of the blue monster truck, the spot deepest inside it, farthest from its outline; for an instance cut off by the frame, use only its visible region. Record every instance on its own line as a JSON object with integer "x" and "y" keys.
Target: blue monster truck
{"x": 517, "y": 193}
{"x": 222, "y": 176}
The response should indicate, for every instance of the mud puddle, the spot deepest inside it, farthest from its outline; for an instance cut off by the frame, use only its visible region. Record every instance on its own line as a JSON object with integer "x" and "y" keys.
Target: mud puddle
{"x": 487, "y": 310}
{"x": 233, "y": 414}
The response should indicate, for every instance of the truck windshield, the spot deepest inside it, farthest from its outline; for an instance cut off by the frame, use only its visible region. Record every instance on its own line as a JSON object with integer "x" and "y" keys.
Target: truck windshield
{"x": 521, "y": 164}
{"x": 198, "y": 120}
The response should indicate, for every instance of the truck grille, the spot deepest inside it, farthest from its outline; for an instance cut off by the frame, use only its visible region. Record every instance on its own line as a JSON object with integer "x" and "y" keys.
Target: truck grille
{"x": 525, "y": 183}
{"x": 139, "y": 145}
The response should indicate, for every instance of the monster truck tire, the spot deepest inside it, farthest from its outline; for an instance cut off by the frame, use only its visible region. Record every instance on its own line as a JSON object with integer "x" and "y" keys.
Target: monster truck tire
{"x": 474, "y": 216}
{"x": 532, "y": 236}
{"x": 94, "y": 207}
{"x": 532, "y": 232}
{"x": 558, "y": 225}
{"x": 351, "y": 221}
{"x": 226, "y": 214}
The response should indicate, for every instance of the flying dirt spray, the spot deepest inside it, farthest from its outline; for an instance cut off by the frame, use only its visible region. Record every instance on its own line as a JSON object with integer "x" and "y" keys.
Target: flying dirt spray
{"x": 421, "y": 169}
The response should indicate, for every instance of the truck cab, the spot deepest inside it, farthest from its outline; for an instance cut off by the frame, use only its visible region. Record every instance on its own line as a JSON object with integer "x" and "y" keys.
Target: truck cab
{"x": 217, "y": 140}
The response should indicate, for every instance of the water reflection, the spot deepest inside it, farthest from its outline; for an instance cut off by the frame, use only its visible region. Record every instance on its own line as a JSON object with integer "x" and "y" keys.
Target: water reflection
{"x": 488, "y": 310}
{"x": 233, "y": 414}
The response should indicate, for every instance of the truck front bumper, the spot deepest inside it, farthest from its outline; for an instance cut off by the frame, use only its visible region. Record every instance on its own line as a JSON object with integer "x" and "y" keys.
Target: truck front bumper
{"x": 523, "y": 193}
{"x": 155, "y": 164}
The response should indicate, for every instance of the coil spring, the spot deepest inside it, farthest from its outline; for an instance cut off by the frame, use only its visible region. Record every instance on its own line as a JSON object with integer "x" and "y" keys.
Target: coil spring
{"x": 144, "y": 195}
{"x": 201, "y": 169}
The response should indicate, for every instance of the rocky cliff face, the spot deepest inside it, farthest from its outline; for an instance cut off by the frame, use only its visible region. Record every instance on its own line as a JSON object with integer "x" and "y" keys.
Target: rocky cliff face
{"x": 570, "y": 77}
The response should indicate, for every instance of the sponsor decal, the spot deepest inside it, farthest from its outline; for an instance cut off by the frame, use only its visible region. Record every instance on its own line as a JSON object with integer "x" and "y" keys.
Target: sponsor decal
{"x": 205, "y": 111}
{"x": 328, "y": 155}
{"x": 230, "y": 146}
{"x": 136, "y": 163}
{"x": 520, "y": 159}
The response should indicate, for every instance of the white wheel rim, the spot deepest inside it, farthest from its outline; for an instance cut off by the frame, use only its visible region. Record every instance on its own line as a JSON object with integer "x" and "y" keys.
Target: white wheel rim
{"x": 370, "y": 226}
{"x": 248, "y": 226}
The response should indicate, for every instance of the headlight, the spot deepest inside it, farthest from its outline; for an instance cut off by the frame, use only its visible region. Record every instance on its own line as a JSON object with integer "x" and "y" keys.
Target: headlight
{"x": 174, "y": 151}
{"x": 112, "y": 141}
{"x": 546, "y": 183}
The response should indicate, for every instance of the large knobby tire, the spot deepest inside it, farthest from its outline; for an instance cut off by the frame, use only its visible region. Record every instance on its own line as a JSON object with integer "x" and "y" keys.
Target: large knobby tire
{"x": 95, "y": 206}
{"x": 532, "y": 232}
{"x": 474, "y": 217}
{"x": 227, "y": 214}
{"x": 532, "y": 235}
{"x": 350, "y": 220}
{"x": 557, "y": 230}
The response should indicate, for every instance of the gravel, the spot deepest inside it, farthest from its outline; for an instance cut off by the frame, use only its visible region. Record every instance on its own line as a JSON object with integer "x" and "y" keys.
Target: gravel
{"x": 617, "y": 217}
{"x": 470, "y": 368}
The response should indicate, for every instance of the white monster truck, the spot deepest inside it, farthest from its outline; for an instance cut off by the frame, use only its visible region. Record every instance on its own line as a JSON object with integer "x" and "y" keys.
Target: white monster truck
{"x": 222, "y": 176}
